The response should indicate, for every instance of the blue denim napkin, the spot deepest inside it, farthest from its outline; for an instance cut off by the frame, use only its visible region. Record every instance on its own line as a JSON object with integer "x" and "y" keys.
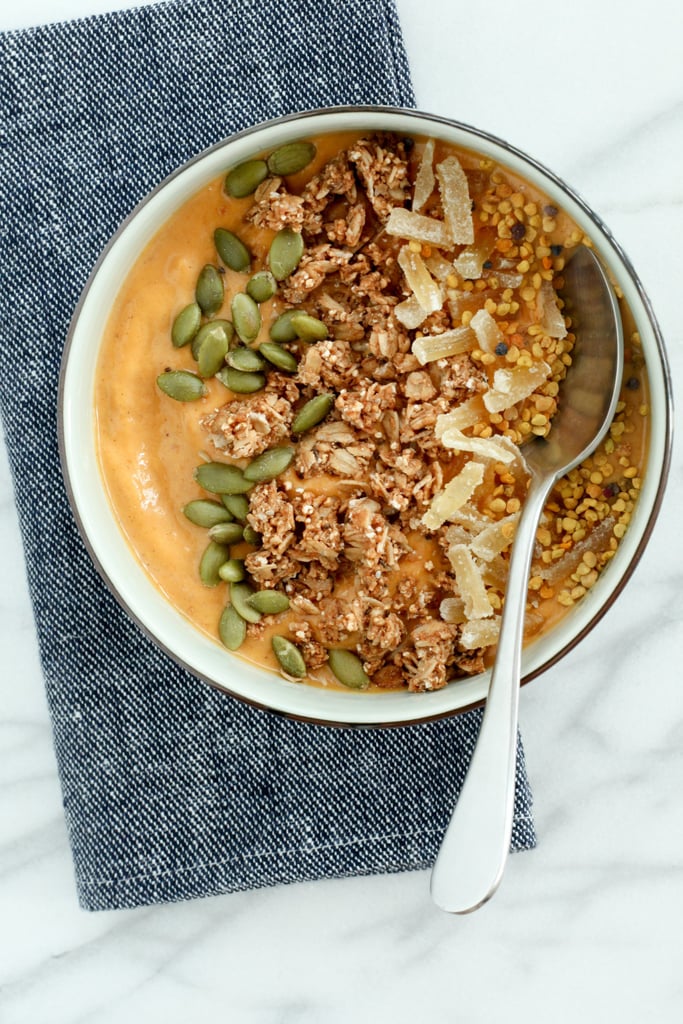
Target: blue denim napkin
{"x": 171, "y": 789}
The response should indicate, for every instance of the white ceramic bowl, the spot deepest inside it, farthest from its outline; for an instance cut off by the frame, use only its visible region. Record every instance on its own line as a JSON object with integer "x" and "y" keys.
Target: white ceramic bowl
{"x": 97, "y": 521}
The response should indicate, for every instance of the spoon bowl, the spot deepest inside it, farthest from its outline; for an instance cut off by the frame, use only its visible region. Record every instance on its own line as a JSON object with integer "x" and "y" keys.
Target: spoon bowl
{"x": 589, "y": 394}
{"x": 474, "y": 850}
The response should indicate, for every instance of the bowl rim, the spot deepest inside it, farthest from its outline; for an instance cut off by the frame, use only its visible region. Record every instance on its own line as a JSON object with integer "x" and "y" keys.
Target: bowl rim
{"x": 488, "y": 139}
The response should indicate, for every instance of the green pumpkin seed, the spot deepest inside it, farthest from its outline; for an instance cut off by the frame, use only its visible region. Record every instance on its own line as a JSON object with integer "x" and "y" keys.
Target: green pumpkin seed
{"x": 309, "y": 328}
{"x": 232, "y": 629}
{"x": 239, "y": 597}
{"x": 262, "y": 286}
{"x": 237, "y": 505}
{"x": 269, "y": 602}
{"x": 219, "y": 329}
{"x": 240, "y": 382}
{"x": 232, "y": 571}
{"x": 209, "y": 291}
{"x": 279, "y": 356}
{"x": 214, "y": 556}
{"x": 246, "y": 317}
{"x": 348, "y": 668}
{"x": 181, "y": 385}
{"x": 269, "y": 465}
{"x": 186, "y": 325}
{"x": 204, "y": 512}
{"x": 231, "y": 250}
{"x": 221, "y": 478}
{"x": 251, "y": 536}
{"x": 226, "y": 533}
{"x": 312, "y": 413}
{"x": 211, "y": 352}
{"x": 281, "y": 329}
{"x": 284, "y": 254}
{"x": 291, "y": 158}
{"x": 290, "y": 657}
{"x": 244, "y": 179}
{"x": 246, "y": 359}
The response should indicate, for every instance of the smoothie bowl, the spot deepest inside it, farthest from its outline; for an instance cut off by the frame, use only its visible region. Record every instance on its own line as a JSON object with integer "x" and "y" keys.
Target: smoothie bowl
{"x": 293, "y": 409}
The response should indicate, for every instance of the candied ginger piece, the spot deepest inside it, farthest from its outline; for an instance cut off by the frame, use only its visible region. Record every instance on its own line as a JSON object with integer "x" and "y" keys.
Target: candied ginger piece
{"x": 415, "y": 226}
{"x": 441, "y": 346}
{"x": 558, "y": 571}
{"x": 470, "y": 262}
{"x": 458, "y": 301}
{"x": 514, "y": 385}
{"x": 552, "y": 320}
{"x": 495, "y": 572}
{"x": 438, "y": 266}
{"x": 455, "y": 198}
{"x": 506, "y": 279}
{"x": 480, "y": 633}
{"x": 470, "y": 517}
{"x": 420, "y": 281}
{"x": 466, "y": 415}
{"x": 456, "y": 493}
{"x": 452, "y": 609}
{"x": 495, "y": 538}
{"x": 410, "y": 313}
{"x": 424, "y": 179}
{"x": 458, "y": 533}
{"x": 488, "y": 333}
{"x": 486, "y": 447}
{"x": 470, "y": 583}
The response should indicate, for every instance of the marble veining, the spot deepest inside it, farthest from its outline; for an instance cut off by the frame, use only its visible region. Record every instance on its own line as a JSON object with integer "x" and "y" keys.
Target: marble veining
{"x": 586, "y": 927}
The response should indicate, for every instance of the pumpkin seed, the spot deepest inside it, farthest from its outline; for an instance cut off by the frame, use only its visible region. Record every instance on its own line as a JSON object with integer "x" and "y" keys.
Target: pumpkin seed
{"x": 291, "y": 158}
{"x": 312, "y": 413}
{"x": 244, "y": 179}
{"x": 290, "y": 657}
{"x": 269, "y": 602}
{"x": 348, "y": 668}
{"x": 281, "y": 329}
{"x": 221, "y": 478}
{"x": 214, "y": 556}
{"x": 246, "y": 316}
{"x": 269, "y": 464}
{"x": 246, "y": 359}
{"x": 262, "y": 286}
{"x": 309, "y": 328}
{"x": 186, "y": 325}
{"x": 231, "y": 250}
{"x": 209, "y": 291}
{"x": 239, "y": 597}
{"x": 232, "y": 571}
{"x": 284, "y": 254}
{"x": 279, "y": 356}
{"x": 204, "y": 512}
{"x": 214, "y": 328}
{"x": 251, "y": 536}
{"x": 181, "y": 385}
{"x": 226, "y": 533}
{"x": 240, "y": 382}
{"x": 211, "y": 351}
{"x": 232, "y": 629}
{"x": 237, "y": 505}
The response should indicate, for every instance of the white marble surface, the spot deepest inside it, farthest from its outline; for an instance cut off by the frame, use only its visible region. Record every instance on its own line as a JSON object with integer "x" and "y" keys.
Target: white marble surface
{"x": 588, "y": 926}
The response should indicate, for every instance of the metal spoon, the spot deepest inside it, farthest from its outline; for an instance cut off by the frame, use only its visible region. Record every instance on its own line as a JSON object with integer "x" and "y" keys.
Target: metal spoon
{"x": 472, "y": 857}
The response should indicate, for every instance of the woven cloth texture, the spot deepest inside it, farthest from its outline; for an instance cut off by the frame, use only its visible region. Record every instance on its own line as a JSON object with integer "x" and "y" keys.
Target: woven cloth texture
{"x": 172, "y": 790}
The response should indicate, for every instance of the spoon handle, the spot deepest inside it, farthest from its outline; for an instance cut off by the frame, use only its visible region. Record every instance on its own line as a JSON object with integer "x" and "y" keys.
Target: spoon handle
{"x": 470, "y": 863}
